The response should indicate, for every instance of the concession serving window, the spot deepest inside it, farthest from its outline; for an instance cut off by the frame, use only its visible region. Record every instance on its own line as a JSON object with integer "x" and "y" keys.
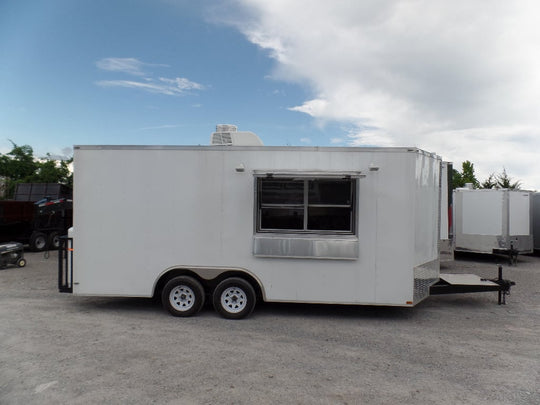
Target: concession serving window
{"x": 300, "y": 213}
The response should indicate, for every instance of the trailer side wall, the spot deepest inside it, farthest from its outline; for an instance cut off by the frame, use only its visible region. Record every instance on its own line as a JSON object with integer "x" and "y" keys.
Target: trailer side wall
{"x": 140, "y": 212}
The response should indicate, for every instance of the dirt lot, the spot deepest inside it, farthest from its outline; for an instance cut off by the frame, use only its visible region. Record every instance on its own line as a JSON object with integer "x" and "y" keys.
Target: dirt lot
{"x": 57, "y": 348}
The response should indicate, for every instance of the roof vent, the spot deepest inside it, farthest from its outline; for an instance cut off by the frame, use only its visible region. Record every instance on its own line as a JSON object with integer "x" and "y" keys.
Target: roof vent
{"x": 229, "y": 135}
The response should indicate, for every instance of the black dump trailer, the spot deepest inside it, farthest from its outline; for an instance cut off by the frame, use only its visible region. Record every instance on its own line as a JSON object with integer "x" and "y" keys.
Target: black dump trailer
{"x": 37, "y": 223}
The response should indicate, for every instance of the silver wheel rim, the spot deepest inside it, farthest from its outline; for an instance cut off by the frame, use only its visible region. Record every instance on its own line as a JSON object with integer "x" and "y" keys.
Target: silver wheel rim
{"x": 233, "y": 300}
{"x": 40, "y": 242}
{"x": 182, "y": 298}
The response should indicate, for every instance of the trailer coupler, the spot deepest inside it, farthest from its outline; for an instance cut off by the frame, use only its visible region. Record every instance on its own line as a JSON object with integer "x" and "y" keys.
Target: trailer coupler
{"x": 470, "y": 283}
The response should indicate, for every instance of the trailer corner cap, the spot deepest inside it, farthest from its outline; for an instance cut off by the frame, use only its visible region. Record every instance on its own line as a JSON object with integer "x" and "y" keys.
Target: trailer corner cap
{"x": 307, "y": 174}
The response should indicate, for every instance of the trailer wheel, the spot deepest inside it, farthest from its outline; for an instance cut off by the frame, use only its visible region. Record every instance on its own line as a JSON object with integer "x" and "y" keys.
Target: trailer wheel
{"x": 234, "y": 298}
{"x": 54, "y": 240}
{"x": 183, "y": 296}
{"x": 21, "y": 262}
{"x": 38, "y": 241}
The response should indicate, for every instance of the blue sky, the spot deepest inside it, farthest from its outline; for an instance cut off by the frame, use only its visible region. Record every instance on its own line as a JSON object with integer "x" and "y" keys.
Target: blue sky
{"x": 52, "y": 86}
{"x": 453, "y": 78}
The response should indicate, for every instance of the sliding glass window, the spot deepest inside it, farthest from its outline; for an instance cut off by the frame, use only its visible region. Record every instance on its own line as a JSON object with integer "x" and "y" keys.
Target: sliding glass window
{"x": 306, "y": 205}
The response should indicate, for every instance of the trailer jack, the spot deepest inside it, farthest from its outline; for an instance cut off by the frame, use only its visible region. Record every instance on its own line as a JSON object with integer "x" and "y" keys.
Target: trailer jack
{"x": 505, "y": 286}
{"x": 512, "y": 254}
{"x": 471, "y": 283}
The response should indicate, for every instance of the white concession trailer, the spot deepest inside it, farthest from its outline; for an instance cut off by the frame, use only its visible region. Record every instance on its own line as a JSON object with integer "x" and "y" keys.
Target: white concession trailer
{"x": 234, "y": 224}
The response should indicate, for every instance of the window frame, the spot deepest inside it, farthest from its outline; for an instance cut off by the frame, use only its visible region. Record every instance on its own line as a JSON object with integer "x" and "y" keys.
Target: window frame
{"x": 305, "y": 206}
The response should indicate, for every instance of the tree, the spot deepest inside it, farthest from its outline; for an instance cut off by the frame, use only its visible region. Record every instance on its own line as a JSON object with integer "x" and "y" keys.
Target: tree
{"x": 20, "y": 166}
{"x": 505, "y": 181}
{"x": 490, "y": 182}
{"x": 19, "y": 163}
{"x": 52, "y": 171}
{"x": 459, "y": 179}
{"x": 501, "y": 180}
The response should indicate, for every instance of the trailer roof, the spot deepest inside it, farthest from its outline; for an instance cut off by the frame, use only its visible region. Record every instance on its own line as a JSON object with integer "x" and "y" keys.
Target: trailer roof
{"x": 262, "y": 148}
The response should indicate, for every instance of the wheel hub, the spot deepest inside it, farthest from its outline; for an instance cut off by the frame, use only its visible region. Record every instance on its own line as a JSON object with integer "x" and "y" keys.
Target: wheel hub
{"x": 182, "y": 298}
{"x": 233, "y": 299}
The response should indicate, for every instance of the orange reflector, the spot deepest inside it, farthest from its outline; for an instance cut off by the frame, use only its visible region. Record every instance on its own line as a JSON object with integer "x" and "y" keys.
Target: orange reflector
{"x": 409, "y": 302}
{"x": 69, "y": 249}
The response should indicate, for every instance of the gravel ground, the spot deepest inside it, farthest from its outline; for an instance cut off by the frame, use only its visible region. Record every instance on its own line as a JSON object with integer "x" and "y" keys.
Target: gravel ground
{"x": 461, "y": 349}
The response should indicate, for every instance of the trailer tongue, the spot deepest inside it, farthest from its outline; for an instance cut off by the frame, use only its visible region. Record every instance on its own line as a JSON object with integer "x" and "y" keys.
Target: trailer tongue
{"x": 471, "y": 283}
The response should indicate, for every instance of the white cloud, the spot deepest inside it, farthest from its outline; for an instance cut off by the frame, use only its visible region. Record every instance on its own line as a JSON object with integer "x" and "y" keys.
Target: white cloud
{"x": 337, "y": 141}
{"x": 460, "y": 78}
{"x": 130, "y": 66}
{"x": 162, "y": 85}
{"x": 171, "y": 87}
{"x": 181, "y": 84}
{"x": 491, "y": 149}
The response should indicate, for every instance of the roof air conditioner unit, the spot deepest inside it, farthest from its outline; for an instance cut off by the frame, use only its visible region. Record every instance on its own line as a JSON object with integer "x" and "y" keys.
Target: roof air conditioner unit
{"x": 229, "y": 135}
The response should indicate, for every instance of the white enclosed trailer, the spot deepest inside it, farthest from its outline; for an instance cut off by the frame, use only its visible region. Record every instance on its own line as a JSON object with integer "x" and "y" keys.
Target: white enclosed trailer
{"x": 446, "y": 243}
{"x": 241, "y": 223}
{"x": 493, "y": 221}
{"x": 536, "y": 220}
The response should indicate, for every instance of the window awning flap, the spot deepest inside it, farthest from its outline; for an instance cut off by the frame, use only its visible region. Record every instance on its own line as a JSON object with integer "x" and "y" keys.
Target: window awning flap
{"x": 300, "y": 174}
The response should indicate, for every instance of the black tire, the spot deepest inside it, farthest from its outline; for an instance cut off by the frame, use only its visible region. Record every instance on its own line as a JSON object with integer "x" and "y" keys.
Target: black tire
{"x": 39, "y": 242}
{"x": 21, "y": 262}
{"x": 234, "y": 298}
{"x": 54, "y": 240}
{"x": 183, "y": 296}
